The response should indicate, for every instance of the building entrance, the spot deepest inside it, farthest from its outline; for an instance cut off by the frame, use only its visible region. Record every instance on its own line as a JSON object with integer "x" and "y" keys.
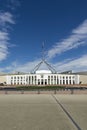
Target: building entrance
{"x": 42, "y": 82}
{"x": 45, "y": 81}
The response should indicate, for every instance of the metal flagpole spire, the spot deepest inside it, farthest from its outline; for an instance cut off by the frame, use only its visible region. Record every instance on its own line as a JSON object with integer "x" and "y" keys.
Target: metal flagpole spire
{"x": 43, "y": 61}
{"x": 43, "y": 53}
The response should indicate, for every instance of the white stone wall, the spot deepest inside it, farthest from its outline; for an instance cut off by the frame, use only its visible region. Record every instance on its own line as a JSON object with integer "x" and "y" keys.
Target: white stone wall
{"x": 42, "y": 79}
{"x": 83, "y": 79}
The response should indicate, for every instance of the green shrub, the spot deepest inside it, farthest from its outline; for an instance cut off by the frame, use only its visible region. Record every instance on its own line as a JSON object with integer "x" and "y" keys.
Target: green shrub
{"x": 39, "y": 87}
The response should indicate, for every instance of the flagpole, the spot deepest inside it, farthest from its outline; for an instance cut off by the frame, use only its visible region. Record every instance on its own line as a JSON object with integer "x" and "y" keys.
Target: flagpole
{"x": 43, "y": 56}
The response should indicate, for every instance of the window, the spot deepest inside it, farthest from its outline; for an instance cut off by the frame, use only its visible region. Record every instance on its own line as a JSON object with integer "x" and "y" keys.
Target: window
{"x": 41, "y": 76}
{"x": 51, "y": 77}
{"x": 55, "y": 77}
{"x": 18, "y": 83}
{"x": 48, "y": 77}
{"x": 73, "y": 82}
{"x": 70, "y": 81}
{"x": 63, "y": 81}
{"x": 69, "y": 77}
{"x": 66, "y": 81}
{"x": 66, "y": 77}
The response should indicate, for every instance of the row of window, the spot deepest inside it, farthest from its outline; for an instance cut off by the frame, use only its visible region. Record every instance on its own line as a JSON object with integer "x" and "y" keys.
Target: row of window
{"x": 44, "y": 82}
{"x": 49, "y": 77}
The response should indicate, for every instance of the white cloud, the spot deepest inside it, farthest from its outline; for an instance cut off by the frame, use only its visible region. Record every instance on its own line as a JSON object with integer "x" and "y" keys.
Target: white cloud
{"x": 4, "y": 38}
{"x": 6, "y": 18}
{"x": 27, "y": 67}
{"x": 82, "y": 29}
{"x": 77, "y": 38}
{"x": 78, "y": 64}
{"x": 17, "y": 67}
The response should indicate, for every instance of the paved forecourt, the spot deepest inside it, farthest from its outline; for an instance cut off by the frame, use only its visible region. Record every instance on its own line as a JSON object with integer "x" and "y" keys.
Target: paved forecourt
{"x": 76, "y": 106}
{"x": 43, "y": 112}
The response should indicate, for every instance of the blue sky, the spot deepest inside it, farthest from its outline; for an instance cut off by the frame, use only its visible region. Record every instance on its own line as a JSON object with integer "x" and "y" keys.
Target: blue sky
{"x": 26, "y": 24}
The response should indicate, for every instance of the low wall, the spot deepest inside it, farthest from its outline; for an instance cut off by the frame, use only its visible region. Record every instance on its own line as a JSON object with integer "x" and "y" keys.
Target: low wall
{"x": 45, "y": 92}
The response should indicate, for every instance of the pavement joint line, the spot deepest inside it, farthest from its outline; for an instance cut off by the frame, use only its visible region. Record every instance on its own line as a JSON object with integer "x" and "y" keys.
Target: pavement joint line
{"x": 67, "y": 113}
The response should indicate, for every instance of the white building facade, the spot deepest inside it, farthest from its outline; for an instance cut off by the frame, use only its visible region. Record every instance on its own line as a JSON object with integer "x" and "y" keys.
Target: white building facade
{"x": 42, "y": 78}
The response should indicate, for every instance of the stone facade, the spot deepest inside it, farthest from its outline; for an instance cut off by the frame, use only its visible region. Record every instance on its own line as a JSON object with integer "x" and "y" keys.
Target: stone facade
{"x": 42, "y": 79}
